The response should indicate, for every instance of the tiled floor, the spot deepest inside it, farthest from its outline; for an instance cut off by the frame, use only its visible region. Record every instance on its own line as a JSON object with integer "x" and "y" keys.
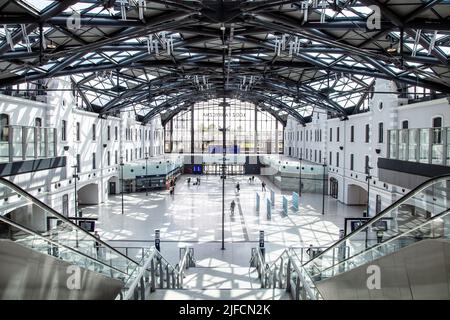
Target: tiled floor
{"x": 193, "y": 217}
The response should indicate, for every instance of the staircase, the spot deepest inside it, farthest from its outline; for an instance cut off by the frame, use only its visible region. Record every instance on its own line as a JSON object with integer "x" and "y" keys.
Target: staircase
{"x": 418, "y": 222}
{"x": 222, "y": 283}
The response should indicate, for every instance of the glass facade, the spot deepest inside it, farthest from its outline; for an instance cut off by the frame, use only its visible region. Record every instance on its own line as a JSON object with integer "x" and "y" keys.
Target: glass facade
{"x": 18, "y": 143}
{"x": 199, "y": 129}
{"x": 428, "y": 145}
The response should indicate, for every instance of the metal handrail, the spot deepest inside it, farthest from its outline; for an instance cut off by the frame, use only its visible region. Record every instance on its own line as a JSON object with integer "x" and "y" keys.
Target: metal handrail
{"x": 45, "y": 207}
{"x": 29, "y": 231}
{"x": 266, "y": 270}
{"x": 144, "y": 268}
{"x": 380, "y": 216}
{"x": 177, "y": 271}
{"x": 443, "y": 213}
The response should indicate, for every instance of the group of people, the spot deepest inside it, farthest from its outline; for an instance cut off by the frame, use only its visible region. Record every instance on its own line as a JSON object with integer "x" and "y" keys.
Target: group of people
{"x": 251, "y": 179}
{"x": 196, "y": 183}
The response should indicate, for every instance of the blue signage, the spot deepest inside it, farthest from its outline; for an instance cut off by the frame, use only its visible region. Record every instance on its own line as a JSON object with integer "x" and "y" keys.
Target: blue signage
{"x": 219, "y": 149}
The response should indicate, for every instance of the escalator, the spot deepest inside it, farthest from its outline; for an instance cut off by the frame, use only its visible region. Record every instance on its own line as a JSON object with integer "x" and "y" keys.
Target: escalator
{"x": 44, "y": 255}
{"x": 409, "y": 238}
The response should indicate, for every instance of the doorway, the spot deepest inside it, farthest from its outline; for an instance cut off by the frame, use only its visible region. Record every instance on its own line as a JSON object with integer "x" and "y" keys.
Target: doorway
{"x": 112, "y": 187}
{"x": 334, "y": 188}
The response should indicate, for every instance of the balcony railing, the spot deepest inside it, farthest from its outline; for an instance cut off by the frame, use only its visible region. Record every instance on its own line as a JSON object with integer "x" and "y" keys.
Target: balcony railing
{"x": 19, "y": 143}
{"x": 428, "y": 145}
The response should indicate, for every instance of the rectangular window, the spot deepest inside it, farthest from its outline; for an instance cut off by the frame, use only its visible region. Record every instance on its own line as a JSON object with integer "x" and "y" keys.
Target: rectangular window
{"x": 115, "y": 157}
{"x": 330, "y": 161}
{"x": 337, "y": 134}
{"x": 380, "y": 133}
{"x": 315, "y": 155}
{"x": 108, "y": 158}
{"x": 78, "y": 131}
{"x": 367, "y": 165}
{"x": 108, "y": 133}
{"x": 93, "y": 132}
{"x": 78, "y": 163}
{"x": 320, "y": 156}
{"x": 65, "y": 205}
{"x": 94, "y": 165}
{"x": 352, "y": 134}
{"x": 378, "y": 204}
{"x": 131, "y": 154}
{"x": 63, "y": 130}
{"x": 115, "y": 133}
{"x": 331, "y": 134}
{"x": 301, "y": 136}
{"x": 367, "y": 133}
{"x": 126, "y": 155}
{"x": 337, "y": 159}
{"x": 352, "y": 161}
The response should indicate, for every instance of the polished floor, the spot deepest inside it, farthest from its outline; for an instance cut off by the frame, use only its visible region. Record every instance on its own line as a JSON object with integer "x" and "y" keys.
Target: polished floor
{"x": 193, "y": 217}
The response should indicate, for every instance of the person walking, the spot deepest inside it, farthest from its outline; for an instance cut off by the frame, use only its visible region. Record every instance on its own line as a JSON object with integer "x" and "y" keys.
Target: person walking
{"x": 198, "y": 181}
{"x": 238, "y": 187}
{"x": 232, "y": 205}
{"x": 263, "y": 186}
{"x": 189, "y": 181}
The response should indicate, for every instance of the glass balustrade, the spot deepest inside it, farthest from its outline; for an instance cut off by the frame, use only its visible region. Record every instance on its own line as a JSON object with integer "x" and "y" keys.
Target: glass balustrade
{"x": 18, "y": 143}
{"x": 422, "y": 214}
{"x": 27, "y": 221}
{"x": 427, "y": 145}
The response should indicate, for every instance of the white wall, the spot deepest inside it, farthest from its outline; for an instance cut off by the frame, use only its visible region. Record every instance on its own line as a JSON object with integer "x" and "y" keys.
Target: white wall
{"x": 51, "y": 185}
{"x": 391, "y": 114}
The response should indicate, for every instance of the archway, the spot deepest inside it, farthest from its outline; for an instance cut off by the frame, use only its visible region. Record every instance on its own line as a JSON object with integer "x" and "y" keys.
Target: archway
{"x": 88, "y": 194}
{"x": 356, "y": 195}
{"x": 334, "y": 188}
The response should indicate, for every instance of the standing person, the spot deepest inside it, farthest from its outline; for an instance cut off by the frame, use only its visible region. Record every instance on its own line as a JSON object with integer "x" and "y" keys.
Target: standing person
{"x": 253, "y": 178}
{"x": 238, "y": 187}
{"x": 232, "y": 205}
{"x": 189, "y": 181}
{"x": 97, "y": 244}
{"x": 198, "y": 180}
{"x": 263, "y": 186}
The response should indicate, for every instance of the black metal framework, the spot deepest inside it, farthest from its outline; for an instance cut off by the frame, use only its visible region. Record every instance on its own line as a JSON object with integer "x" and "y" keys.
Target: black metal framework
{"x": 166, "y": 55}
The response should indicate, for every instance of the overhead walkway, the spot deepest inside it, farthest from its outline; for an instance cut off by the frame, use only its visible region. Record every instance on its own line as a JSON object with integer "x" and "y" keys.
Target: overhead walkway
{"x": 414, "y": 231}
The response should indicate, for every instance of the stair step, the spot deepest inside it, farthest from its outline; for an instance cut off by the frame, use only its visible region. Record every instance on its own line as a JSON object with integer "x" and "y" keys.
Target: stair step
{"x": 221, "y": 278}
{"x": 216, "y": 294}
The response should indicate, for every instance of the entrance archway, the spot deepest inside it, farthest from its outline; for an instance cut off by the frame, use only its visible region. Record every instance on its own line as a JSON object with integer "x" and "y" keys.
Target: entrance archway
{"x": 334, "y": 188}
{"x": 356, "y": 195}
{"x": 88, "y": 194}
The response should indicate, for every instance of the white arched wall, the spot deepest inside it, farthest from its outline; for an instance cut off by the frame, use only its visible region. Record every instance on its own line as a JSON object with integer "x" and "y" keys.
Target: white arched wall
{"x": 356, "y": 194}
{"x": 88, "y": 194}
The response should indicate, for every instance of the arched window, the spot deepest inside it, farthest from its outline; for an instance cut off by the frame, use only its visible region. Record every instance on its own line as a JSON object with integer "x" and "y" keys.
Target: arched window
{"x": 4, "y": 129}
{"x": 437, "y": 122}
{"x": 38, "y": 122}
{"x": 405, "y": 124}
{"x": 437, "y": 132}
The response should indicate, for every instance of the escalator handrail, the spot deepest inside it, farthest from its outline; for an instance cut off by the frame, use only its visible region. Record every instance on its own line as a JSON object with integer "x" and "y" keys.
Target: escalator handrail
{"x": 45, "y": 207}
{"x": 379, "y": 216}
{"x": 443, "y": 213}
{"x": 56, "y": 244}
